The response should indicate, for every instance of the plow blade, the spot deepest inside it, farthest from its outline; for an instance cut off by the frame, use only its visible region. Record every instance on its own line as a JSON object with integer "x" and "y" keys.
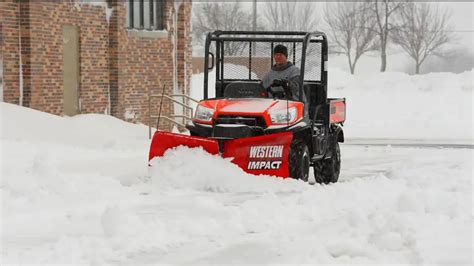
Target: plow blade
{"x": 163, "y": 141}
{"x": 262, "y": 155}
{"x": 267, "y": 154}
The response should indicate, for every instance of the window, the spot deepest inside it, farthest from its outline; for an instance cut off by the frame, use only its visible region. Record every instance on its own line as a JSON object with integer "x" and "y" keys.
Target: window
{"x": 145, "y": 14}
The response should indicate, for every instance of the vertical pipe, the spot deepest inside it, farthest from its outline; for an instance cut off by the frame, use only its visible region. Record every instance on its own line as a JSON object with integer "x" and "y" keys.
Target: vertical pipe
{"x": 306, "y": 39}
{"x": 250, "y": 60}
{"x": 149, "y": 114}
{"x": 206, "y": 64}
{"x": 218, "y": 70}
{"x": 271, "y": 57}
{"x": 221, "y": 59}
{"x": 294, "y": 53}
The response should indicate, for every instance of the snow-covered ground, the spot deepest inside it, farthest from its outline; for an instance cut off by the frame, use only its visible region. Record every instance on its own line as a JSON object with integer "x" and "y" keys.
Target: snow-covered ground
{"x": 76, "y": 190}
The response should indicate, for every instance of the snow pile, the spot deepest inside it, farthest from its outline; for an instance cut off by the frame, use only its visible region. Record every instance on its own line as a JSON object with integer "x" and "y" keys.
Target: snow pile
{"x": 87, "y": 130}
{"x": 179, "y": 169}
{"x": 394, "y": 105}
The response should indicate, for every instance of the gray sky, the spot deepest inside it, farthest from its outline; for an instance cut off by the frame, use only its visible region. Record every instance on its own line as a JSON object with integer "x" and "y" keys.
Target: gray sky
{"x": 462, "y": 22}
{"x": 462, "y": 19}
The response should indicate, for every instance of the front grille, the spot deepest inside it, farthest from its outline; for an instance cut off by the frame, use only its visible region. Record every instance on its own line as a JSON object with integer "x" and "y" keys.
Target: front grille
{"x": 241, "y": 120}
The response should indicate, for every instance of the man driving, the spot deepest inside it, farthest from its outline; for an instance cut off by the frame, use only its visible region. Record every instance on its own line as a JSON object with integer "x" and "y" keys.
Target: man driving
{"x": 283, "y": 73}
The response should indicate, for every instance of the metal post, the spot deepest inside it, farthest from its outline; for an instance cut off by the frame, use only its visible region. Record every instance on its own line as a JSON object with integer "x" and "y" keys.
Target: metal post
{"x": 161, "y": 103}
{"x": 206, "y": 63}
{"x": 149, "y": 114}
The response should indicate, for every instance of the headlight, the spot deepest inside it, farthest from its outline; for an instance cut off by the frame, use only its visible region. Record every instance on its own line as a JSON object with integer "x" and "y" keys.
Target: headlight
{"x": 204, "y": 113}
{"x": 283, "y": 116}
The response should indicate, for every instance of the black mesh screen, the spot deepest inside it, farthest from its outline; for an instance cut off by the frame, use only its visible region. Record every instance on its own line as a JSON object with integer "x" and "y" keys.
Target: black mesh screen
{"x": 314, "y": 63}
{"x": 251, "y": 60}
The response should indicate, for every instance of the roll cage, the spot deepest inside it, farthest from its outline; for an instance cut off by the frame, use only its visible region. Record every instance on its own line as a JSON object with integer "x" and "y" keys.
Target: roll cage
{"x": 216, "y": 58}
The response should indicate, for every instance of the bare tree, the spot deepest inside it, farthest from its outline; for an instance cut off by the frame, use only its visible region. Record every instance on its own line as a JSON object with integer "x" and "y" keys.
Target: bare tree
{"x": 423, "y": 31}
{"x": 211, "y": 16}
{"x": 383, "y": 11}
{"x": 293, "y": 16}
{"x": 351, "y": 30}
{"x": 287, "y": 16}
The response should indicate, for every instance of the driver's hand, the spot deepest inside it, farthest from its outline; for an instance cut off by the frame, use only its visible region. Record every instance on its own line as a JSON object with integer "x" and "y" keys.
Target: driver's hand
{"x": 277, "y": 82}
{"x": 280, "y": 82}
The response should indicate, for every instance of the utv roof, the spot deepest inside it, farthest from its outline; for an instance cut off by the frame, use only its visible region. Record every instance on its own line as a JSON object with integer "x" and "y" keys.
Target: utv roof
{"x": 265, "y": 35}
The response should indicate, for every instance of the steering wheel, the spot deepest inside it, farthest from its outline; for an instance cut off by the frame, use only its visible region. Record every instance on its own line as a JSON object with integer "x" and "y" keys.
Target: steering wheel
{"x": 277, "y": 92}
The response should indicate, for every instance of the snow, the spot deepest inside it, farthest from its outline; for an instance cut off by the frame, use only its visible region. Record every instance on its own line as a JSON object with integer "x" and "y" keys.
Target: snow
{"x": 436, "y": 106}
{"x": 77, "y": 190}
{"x": 108, "y": 13}
{"x": 100, "y": 3}
{"x": 393, "y": 105}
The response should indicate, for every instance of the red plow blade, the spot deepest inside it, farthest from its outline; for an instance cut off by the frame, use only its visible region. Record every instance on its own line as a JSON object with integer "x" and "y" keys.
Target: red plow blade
{"x": 262, "y": 155}
{"x": 267, "y": 154}
{"x": 163, "y": 141}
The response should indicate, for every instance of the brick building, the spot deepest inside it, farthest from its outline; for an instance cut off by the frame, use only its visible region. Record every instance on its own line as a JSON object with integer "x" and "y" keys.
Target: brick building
{"x": 78, "y": 56}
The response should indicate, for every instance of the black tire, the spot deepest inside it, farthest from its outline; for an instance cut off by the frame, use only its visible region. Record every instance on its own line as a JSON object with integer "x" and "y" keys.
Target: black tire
{"x": 327, "y": 170}
{"x": 299, "y": 161}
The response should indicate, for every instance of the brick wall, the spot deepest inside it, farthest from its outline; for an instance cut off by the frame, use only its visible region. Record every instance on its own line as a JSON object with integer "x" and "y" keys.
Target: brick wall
{"x": 145, "y": 65}
{"x": 46, "y": 21}
{"x": 9, "y": 18}
{"x": 42, "y": 55}
{"x": 185, "y": 59}
{"x": 112, "y": 60}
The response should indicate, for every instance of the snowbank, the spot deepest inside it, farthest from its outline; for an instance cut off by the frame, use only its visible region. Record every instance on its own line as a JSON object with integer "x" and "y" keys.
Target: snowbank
{"x": 394, "y": 105}
{"x": 86, "y": 130}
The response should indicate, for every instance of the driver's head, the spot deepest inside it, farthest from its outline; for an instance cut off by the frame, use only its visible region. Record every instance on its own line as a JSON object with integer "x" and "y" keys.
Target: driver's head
{"x": 280, "y": 54}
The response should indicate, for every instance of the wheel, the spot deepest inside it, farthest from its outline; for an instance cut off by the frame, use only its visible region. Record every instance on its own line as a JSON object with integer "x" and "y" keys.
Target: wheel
{"x": 327, "y": 170}
{"x": 299, "y": 161}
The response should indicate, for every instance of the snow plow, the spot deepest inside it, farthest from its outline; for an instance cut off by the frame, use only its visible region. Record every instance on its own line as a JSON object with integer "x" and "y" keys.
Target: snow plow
{"x": 282, "y": 129}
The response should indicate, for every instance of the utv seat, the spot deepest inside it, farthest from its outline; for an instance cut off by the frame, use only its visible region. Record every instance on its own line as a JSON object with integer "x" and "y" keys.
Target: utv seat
{"x": 243, "y": 89}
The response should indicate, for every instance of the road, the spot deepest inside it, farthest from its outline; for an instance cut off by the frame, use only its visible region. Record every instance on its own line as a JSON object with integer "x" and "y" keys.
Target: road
{"x": 454, "y": 144}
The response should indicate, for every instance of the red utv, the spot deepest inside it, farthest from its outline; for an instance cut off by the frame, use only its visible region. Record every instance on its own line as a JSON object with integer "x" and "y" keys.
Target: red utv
{"x": 272, "y": 135}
